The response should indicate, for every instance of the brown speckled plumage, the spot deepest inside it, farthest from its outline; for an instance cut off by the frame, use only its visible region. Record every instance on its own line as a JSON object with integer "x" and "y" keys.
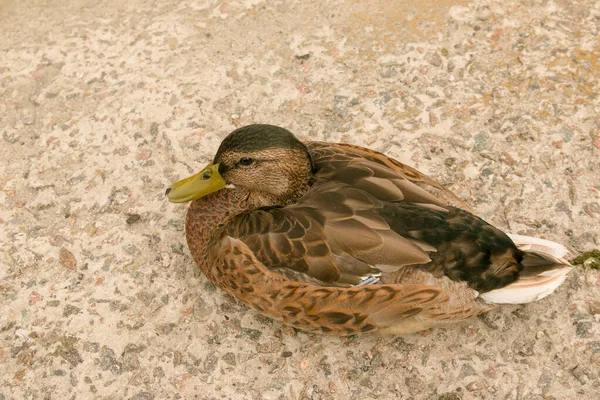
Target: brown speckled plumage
{"x": 368, "y": 244}
{"x": 232, "y": 266}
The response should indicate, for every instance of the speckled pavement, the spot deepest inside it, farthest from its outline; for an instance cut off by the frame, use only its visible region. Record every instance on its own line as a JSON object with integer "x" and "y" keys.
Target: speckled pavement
{"x": 105, "y": 103}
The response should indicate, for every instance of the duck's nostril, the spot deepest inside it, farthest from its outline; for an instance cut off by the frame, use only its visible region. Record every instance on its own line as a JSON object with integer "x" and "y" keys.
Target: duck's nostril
{"x": 167, "y": 191}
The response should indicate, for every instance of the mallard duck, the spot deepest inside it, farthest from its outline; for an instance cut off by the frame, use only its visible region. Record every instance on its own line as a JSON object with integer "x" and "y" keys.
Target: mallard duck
{"x": 339, "y": 239}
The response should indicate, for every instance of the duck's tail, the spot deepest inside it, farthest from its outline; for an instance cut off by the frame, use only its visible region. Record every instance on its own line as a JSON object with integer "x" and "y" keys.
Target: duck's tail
{"x": 546, "y": 268}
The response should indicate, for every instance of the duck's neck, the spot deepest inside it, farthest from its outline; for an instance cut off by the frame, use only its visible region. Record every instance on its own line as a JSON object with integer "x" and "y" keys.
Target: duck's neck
{"x": 205, "y": 220}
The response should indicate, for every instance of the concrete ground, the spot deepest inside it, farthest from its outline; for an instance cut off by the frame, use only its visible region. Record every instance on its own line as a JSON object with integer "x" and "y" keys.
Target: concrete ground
{"x": 105, "y": 103}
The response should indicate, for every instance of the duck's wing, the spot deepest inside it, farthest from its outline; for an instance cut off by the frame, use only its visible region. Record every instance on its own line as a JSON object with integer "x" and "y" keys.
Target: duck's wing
{"x": 338, "y": 235}
{"x": 340, "y": 161}
{"x": 334, "y": 235}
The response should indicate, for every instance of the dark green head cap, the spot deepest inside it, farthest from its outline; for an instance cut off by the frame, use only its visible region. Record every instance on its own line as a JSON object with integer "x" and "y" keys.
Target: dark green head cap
{"x": 258, "y": 137}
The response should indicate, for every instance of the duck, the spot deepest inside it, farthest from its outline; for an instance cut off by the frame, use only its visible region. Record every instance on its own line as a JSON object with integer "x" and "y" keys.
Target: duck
{"x": 339, "y": 239}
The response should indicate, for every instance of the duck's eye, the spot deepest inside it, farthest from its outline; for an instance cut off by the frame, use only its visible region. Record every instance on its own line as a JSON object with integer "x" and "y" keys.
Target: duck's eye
{"x": 246, "y": 161}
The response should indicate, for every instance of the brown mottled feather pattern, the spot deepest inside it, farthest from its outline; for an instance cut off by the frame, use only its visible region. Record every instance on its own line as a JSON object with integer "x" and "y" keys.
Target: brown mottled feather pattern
{"x": 400, "y": 306}
{"x": 390, "y": 308}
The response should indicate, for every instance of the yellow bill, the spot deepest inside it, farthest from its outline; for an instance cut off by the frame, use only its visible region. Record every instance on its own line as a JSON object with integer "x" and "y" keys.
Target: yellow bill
{"x": 204, "y": 182}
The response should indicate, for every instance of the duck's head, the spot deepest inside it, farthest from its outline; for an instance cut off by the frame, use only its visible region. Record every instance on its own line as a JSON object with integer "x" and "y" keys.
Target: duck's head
{"x": 265, "y": 162}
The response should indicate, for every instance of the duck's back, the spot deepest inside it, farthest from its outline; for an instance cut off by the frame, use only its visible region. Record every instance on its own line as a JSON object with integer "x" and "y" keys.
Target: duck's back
{"x": 335, "y": 158}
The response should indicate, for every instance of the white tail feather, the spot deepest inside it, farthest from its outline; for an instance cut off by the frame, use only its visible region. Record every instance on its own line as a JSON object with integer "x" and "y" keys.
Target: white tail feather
{"x": 527, "y": 243}
{"x": 536, "y": 287}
